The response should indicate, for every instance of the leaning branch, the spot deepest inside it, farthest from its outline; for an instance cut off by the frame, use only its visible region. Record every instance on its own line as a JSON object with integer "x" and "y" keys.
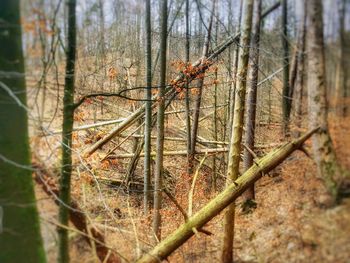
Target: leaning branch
{"x": 220, "y": 202}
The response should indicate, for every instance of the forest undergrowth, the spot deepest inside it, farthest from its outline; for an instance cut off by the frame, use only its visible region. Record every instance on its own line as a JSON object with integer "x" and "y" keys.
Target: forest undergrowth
{"x": 292, "y": 222}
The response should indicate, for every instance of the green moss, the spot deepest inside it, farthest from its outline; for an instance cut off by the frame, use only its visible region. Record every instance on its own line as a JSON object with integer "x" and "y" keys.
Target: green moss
{"x": 20, "y": 240}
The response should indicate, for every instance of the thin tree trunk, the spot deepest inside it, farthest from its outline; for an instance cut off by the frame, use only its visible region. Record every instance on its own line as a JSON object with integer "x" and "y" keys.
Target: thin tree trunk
{"x": 341, "y": 92}
{"x": 249, "y": 141}
{"x": 20, "y": 238}
{"x": 237, "y": 127}
{"x": 286, "y": 100}
{"x": 187, "y": 98}
{"x": 221, "y": 201}
{"x": 299, "y": 89}
{"x": 160, "y": 122}
{"x": 102, "y": 46}
{"x": 67, "y": 126}
{"x": 148, "y": 110}
{"x": 324, "y": 154}
{"x": 198, "y": 97}
{"x": 215, "y": 115}
{"x": 234, "y": 76}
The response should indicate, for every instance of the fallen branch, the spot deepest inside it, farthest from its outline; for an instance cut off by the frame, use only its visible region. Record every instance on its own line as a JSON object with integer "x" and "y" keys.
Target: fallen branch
{"x": 88, "y": 126}
{"x": 220, "y": 202}
{"x": 170, "y": 153}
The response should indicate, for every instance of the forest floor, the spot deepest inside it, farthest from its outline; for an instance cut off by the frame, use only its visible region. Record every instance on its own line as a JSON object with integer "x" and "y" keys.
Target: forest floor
{"x": 292, "y": 222}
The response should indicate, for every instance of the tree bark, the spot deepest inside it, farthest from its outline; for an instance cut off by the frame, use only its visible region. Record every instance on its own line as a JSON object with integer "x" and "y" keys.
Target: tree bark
{"x": 67, "y": 126}
{"x": 324, "y": 153}
{"x": 148, "y": 110}
{"x": 299, "y": 85}
{"x": 20, "y": 238}
{"x": 286, "y": 100}
{"x": 237, "y": 128}
{"x": 234, "y": 76}
{"x": 221, "y": 201}
{"x": 249, "y": 141}
{"x": 341, "y": 89}
{"x": 160, "y": 122}
{"x": 187, "y": 99}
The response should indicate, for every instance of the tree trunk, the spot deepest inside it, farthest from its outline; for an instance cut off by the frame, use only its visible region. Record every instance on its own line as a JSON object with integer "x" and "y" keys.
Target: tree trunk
{"x": 160, "y": 121}
{"x": 148, "y": 110}
{"x": 215, "y": 114}
{"x": 20, "y": 239}
{"x": 248, "y": 157}
{"x": 67, "y": 126}
{"x": 341, "y": 92}
{"x": 102, "y": 46}
{"x": 299, "y": 85}
{"x": 234, "y": 77}
{"x": 237, "y": 127}
{"x": 221, "y": 201}
{"x": 324, "y": 154}
{"x": 187, "y": 99}
{"x": 198, "y": 97}
{"x": 286, "y": 100}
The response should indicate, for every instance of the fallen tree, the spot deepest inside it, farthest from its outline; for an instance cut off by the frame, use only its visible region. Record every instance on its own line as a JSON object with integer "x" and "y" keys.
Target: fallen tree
{"x": 220, "y": 202}
{"x": 170, "y": 153}
{"x": 176, "y": 86}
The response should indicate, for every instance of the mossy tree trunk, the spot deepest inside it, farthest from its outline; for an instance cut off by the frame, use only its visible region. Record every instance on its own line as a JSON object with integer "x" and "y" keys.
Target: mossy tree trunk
{"x": 324, "y": 153}
{"x": 20, "y": 239}
{"x": 67, "y": 127}
{"x": 237, "y": 128}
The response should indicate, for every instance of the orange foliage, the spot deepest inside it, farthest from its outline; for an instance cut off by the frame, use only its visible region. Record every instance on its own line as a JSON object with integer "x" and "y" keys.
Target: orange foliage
{"x": 112, "y": 73}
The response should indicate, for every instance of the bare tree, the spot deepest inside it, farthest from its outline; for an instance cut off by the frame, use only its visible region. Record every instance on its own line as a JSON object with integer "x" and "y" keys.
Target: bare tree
{"x": 67, "y": 127}
{"x": 148, "y": 110}
{"x": 160, "y": 120}
{"x": 187, "y": 99}
{"x": 299, "y": 83}
{"x": 237, "y": 128}
{"x": 199, "y": 89}
{"x": 248, "y": 155}
{"x": 286, "y": 99}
